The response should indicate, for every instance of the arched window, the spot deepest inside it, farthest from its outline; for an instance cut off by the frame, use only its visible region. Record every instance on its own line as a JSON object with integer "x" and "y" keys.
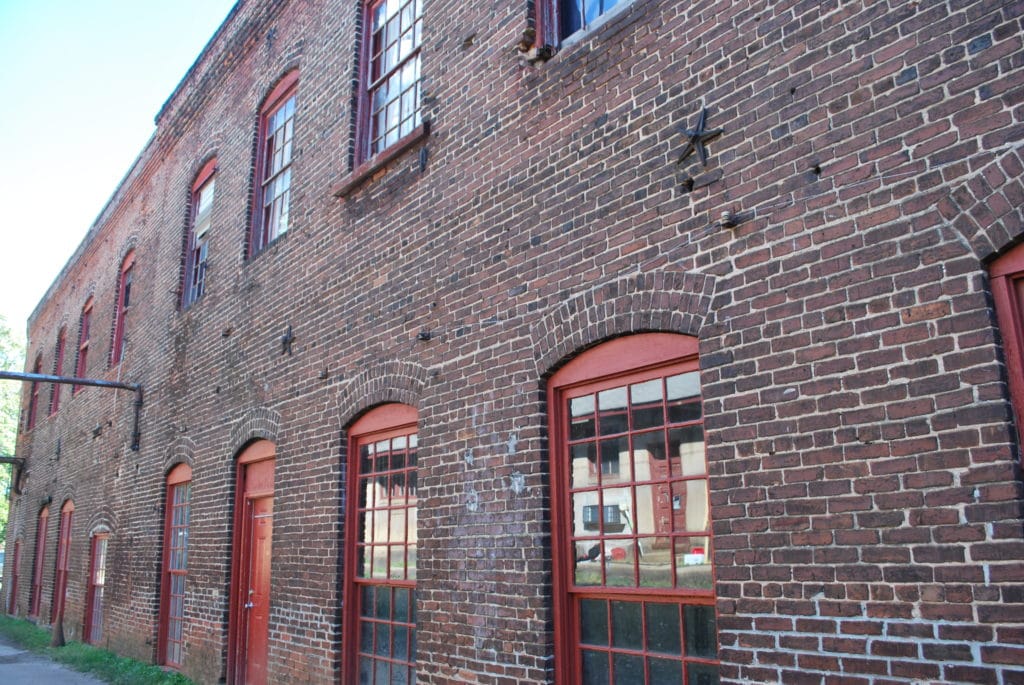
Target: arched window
{"x": 178, "y": 514}
{"x": 198, "y": 239}
{"x": 60, "y": 569}
{"x": 380, "y": 535}
{"x": 82, "y": 358}
{"x": 124, "y": 295}
{"x": 631, "y": 527}
{"x": 36, "y": 591}
{"x": 33, "y": 400}
{"x": 58, "y": 369}
{"x": 274, "y": 164}
{"x": 93, "y": 629}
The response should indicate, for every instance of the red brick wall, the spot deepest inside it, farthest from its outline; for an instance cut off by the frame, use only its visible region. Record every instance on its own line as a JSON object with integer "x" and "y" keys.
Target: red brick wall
{"x": 865, "y": 483}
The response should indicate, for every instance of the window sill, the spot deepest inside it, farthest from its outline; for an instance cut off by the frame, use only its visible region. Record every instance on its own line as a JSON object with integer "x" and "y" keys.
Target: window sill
{"x": 370, "y": 168}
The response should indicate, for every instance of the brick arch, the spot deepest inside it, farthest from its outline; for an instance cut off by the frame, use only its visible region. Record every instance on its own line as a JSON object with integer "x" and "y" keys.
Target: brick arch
{"x": 379, "y": 383}
{"x": 676, "y": 302}
{"x": 130, "y": 244}
{"x": 987, "y": 209}
{"x": 103, "y": 520}
{"x": 181, "y": 451}
{"x": 257, "y": 424}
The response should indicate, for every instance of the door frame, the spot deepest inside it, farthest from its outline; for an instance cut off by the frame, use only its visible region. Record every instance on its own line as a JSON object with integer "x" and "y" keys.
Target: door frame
{"x": 245, "y": 491}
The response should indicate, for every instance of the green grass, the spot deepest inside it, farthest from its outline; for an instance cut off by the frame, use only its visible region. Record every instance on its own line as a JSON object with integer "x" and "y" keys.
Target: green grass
{"x": 98, "y": 662}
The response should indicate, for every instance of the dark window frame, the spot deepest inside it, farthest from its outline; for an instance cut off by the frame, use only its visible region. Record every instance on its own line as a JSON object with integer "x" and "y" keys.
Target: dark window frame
{"x": 35, "y": 598}
{"x": 272, "y": 179}
{"x": 196, "y": 254}
{"x": 92, "y": 627}
{"x": 82, "y": 355}
{"x": 33, "y": 396}
{"x": 58, "y": 369}
{"x": 177, "y": 521}
{"x": 125, "y": 280}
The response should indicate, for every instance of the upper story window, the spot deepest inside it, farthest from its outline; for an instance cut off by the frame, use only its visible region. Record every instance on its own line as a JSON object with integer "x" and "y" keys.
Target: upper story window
{"x": 631, "y": 524}
{"x": 82, "y": 361}
{"x": 560, "y": 19}
{"x": 274, "y": 164}
{"x": 198, "y": 239}
{"x": 58, "y": 369}
{"x": 33, "y": 401}
{"x": 390, "y": 89}
{"x": 124, "y": 298}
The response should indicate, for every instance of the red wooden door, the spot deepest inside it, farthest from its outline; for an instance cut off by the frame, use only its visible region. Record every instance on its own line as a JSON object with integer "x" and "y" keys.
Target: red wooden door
{"x": 261, "y": 521}
{"x": 250, "y": 629}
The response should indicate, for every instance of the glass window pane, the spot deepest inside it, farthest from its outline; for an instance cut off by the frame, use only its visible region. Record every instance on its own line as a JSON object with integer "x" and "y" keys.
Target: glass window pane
{"x": 693, "y": 563}
{"x": 594, "y": 622}
{"x": 584, "y": 464}
{"x": 646, "y": 406}
{"x": 655, "y": 562}
{"x": 595, "y": 667}
{"x": 666, "y": 671}
{"x": 627, "y": 625}
{"x": 402, "y": 604}
{"x": 383, "y": 635}
{"x": 663, "y": 629}
{"x": 686, "y": 450}
{"x": 690, "y": 506}
{"x": 700, "y": 631}
{"x": 629, "y": 669}
{"x": 613, "y": 453}
{"x": 701, "y": 674}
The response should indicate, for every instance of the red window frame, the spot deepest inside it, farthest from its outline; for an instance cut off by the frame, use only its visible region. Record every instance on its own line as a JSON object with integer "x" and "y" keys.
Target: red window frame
{"x": 58, "y": 369}
{"x": 197, "y": 238}
{"x": 634, "y": 592}
{"x": 274, "y": 164}
{"x": 124, "y": 292}
{"x": 12, "y": 591}
{"x": 1007, "y": 282}
{"x": 33, "y": 399}
{"x": 35, "y": 598}
{"x": 62, "y": 563}
{"x": 92, "y": 630}
{"x": 380, "y": 585}
{"x": 82, "y": 357}
{"x": 177, "y": 517}
{"x": 390, "y": 102}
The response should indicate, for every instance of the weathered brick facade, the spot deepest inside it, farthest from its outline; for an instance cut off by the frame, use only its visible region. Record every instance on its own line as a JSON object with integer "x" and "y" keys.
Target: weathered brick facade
{"x": 865, "y": 478}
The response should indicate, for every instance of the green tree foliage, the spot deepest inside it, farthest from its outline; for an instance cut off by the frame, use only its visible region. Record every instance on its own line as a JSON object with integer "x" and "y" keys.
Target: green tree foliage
{"x": 12, "y": 358}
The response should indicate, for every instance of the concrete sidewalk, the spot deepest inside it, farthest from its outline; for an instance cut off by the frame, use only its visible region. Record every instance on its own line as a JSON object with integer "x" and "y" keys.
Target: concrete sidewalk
{"x": 21, "y": 667}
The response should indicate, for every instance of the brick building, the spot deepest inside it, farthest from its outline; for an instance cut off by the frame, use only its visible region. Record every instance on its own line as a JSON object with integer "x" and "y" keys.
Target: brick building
{"x": 498, "y": 342}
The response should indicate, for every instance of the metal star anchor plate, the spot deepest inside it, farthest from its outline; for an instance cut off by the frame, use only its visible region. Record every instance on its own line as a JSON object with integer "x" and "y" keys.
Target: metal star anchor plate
{"x": 697, "y": 137}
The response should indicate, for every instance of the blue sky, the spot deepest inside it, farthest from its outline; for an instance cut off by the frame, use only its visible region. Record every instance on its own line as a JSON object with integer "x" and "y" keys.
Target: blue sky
{"x": 82, "y": 83}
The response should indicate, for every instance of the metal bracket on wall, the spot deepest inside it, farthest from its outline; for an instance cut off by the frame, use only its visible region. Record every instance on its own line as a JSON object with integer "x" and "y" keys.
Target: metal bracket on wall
{"x": 18, "y": 463}
{"x": 67, "y": 380}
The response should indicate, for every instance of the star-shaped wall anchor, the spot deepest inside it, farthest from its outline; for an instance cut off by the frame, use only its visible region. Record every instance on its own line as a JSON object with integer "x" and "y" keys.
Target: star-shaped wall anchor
{"x": 286, "y": 341}
{"x": 697, "y": 137}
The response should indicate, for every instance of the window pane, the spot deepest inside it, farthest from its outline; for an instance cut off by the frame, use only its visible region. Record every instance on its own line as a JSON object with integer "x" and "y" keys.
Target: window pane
{"x": 663, "y": 628}
{"x": 594, "y": 622}
{"x": 595, "y": 668}
{"x": 666, "y": 671}
{"x": 701, "y": 674}
{"x": 627, "y": 625}
{"x": 629, "y": 669}
{"x": 700, "y": 631}
{"x": 693, "y": 564}
{"x": 690, "y": 506}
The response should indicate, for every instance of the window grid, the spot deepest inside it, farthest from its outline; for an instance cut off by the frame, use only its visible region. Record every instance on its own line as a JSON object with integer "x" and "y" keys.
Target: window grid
{"x": 36, "y": 589}
{"x": 277, "y": 171}
{"x": 82, "y": 361}
{"x": 58, "y": 369}
{"x": 635, "y": 594}
{"x": 393, "y": 87}
{"x": 198, "y": 239}
{"x": 97, "y": 580}
{"x": 180, "y": 497}
{"x": 386, "y": 549}
{"x": 632, "y": 500}
{"x": 124, "y": 293}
